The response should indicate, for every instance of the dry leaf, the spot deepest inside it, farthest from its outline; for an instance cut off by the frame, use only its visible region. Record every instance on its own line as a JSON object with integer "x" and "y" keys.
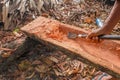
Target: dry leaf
{"x": 5, "y": 55}
{"x": 88, "y": 20}
{"x": 24, "y": 65}
{"x": 53, "y": 59}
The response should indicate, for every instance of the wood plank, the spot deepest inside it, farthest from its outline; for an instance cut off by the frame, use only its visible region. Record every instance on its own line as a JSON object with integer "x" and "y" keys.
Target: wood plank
{"x": 105, "y": 55}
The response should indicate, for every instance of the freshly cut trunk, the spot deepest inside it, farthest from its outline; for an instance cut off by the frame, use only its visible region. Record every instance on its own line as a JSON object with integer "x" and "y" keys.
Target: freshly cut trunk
{"x": 104, "y": 55}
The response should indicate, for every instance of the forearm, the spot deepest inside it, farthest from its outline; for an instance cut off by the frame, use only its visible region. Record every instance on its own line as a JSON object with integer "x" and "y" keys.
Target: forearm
{"x": 113, "y": 18}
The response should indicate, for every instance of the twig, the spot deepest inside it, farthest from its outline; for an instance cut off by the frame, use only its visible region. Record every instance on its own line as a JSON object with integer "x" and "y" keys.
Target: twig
{"x": 6, "y": 49}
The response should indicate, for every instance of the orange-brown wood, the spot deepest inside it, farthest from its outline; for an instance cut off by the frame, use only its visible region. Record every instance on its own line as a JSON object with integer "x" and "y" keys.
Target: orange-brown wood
{"x": 105, "y": 53}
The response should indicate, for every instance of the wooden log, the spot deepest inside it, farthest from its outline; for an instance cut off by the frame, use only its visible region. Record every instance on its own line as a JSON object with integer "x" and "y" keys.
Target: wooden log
{"x": 104, "y": 55}
{"x": 27, "y": 45}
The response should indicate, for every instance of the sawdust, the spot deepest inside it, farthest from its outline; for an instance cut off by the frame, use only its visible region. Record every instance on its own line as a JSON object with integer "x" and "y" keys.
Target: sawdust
{"x": 53, "y": 31}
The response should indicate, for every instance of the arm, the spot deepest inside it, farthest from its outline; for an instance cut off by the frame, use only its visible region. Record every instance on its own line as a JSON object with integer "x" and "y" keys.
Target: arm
{"x": 110, "y": 22}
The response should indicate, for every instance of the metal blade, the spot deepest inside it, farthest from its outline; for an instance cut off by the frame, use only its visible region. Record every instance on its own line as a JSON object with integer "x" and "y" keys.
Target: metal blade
{"x": 72, "y": 35}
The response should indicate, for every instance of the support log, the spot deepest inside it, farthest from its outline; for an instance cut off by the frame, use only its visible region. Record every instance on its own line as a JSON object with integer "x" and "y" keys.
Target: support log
{"x": 27, "y": 45}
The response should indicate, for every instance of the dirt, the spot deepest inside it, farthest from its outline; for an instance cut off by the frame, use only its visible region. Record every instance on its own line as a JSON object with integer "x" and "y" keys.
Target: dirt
{"x": 40, "y": 63}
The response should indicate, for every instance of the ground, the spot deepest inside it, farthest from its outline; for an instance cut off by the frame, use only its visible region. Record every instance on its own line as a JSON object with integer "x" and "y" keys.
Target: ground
{"x": 40, "y": 63}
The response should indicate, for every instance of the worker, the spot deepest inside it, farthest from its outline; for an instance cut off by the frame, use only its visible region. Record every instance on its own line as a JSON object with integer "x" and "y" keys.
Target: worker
{"x": 109, "y": 23}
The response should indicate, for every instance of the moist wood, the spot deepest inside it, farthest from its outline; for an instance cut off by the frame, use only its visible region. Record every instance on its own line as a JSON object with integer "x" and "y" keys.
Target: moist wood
{"x": 105, "y": 54}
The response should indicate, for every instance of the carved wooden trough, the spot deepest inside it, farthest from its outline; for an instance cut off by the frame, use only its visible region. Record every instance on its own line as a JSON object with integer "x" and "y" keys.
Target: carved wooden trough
{"x": 104, "y": 55}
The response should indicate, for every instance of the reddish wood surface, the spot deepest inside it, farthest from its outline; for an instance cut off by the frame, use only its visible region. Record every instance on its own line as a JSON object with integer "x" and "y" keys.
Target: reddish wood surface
{"x": 105, "y": 53}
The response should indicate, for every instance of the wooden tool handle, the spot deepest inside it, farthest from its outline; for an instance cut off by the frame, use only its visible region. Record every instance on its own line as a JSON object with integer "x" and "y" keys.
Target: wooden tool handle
{"x": 112, "y": 37}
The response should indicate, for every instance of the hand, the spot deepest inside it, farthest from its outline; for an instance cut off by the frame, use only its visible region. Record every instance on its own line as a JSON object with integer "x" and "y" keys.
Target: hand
{"x": 94, "y": 34}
